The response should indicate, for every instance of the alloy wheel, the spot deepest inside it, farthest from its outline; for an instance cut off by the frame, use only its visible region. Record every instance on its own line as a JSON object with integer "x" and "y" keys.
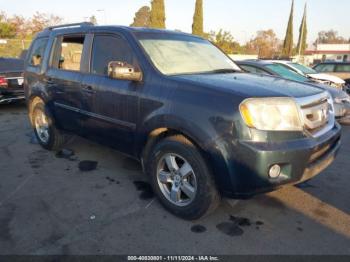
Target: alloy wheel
{"x": 176, "y": 179}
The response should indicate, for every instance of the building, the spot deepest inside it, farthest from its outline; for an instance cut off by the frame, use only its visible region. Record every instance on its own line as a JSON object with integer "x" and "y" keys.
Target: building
{"x": 328, "y": 52}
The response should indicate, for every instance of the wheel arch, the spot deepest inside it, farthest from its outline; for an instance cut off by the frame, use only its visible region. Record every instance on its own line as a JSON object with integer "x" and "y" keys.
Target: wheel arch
{"x": 33, "y": 101}
{"x": 156, "y": 134}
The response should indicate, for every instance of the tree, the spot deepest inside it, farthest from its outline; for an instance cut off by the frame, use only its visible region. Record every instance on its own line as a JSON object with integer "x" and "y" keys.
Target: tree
{"x": 301, "y": 47}
{"x": 7, "y": 30}
{"x": 40, "y": 21}
{"x": 287, "y": 50}
{"x": 21, "y": 26}
{"x": 157, "y": 17}
{"x": 197, "y": 26}
{"x": 330, "y": 37}
{"x": 142, "y": 17}
{"x": 265, "y": 44}
{"x": 93, "y": 19}
{"x": 3, "y": 16}
{"x": 225, "y": 41}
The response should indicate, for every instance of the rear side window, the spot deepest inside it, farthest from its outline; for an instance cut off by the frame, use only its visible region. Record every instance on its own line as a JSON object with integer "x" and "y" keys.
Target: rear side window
{"x": 253, "y": 69}
{"x": 68, "y": 53}
{"x": 325, "y": 68}
{"x": 342, "y": 68}
{"x": 37, "y": 52}
{"x": 108, "y": 48}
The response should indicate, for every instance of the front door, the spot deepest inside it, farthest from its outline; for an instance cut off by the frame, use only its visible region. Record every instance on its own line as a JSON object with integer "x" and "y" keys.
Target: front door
{"x": 111, "y": 105}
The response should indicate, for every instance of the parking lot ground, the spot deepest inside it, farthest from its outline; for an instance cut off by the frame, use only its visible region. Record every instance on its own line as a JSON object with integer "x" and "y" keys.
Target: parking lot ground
{"x": 49, "y": 206}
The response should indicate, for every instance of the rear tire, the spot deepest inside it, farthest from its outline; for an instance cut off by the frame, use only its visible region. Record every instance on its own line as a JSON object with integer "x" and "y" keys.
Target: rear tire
{"x": 181, "y": 178}
{"x": 48, "y": 136}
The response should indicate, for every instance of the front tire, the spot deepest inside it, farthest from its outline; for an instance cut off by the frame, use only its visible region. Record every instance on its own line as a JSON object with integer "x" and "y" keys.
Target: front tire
{"x": 181, "y": 178}
{"x": 48, "y": 136}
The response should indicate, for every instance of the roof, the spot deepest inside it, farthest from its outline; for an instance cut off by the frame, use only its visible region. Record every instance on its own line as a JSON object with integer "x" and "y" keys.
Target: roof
{"x": 79, "y": 27}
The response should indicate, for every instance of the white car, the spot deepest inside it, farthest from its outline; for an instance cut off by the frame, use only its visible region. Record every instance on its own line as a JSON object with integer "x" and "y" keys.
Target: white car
{"x": 331, "y": 80}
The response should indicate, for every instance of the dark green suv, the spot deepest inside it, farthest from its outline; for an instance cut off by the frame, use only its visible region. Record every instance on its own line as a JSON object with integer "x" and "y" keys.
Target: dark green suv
{"x": 200, "y": 126}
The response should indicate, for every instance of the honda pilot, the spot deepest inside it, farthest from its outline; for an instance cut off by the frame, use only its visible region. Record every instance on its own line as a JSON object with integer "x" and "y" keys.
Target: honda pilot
{"x": 201, "y": 128}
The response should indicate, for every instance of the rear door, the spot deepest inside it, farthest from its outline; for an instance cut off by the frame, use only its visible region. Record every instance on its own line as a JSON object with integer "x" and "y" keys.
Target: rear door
{"x": 64, "y": 77}
{"x": 33, "y": 71}
{"x": 112, "y": 105}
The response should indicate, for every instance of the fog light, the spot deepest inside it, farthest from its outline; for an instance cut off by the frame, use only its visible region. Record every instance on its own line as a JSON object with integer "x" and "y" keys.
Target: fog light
{"x": 275, "y": 171}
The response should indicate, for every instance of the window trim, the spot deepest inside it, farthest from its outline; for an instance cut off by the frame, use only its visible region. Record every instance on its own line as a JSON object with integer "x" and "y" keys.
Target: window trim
{"x": 31, "y": 50}
{"x": 112, "y": 35}
{"x": 54, "y": 51}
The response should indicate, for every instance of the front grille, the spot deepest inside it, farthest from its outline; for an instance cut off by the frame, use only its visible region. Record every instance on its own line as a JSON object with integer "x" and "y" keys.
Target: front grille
{"x": 317, "y": 113}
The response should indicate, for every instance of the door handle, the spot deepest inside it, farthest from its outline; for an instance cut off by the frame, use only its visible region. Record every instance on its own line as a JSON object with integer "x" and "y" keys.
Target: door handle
{"x": 88, "y": 89}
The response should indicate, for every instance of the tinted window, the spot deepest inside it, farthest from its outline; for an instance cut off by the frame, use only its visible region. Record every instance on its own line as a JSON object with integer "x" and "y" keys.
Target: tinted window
{"x": 37, "y": 53}
{"x": 107, "y": 48}
{"x": 68, "y": 53}
{"x": 304, "y": 69}
{"x": 253, "y": 69}
{"x": 286, "y": 73}
{"x": 343, "y": 68}
{"x": 325, "y": 68}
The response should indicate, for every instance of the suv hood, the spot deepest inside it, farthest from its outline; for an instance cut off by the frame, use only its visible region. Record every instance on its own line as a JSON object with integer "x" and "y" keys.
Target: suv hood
{"x": 251, "y": 85}
{"x": 326, "y": 77}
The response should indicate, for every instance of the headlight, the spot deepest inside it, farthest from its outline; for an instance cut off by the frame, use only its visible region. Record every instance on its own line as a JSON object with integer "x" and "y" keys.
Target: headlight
{"x": 271, "y": 114}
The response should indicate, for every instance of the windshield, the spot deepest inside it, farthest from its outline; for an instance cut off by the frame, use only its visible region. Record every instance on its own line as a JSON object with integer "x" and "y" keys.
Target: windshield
{"x": 178, "y": 54}
{"x": 306, "y": 70}
{"x": 287, "y": 73}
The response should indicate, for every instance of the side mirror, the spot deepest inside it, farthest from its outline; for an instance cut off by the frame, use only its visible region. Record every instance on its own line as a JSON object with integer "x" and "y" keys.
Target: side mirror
{"x": 124, "y": 71}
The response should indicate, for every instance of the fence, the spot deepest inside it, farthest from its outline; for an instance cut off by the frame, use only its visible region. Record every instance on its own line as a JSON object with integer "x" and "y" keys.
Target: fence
{"x": 13, "y": 47}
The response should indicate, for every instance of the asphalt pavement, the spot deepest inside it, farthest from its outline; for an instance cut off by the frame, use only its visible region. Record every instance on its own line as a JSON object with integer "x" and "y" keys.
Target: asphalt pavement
{"x": 90, "y": 199}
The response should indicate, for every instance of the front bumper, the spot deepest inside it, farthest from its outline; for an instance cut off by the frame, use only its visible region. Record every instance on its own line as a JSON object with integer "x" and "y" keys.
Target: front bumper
{"x": 300, "y": 160}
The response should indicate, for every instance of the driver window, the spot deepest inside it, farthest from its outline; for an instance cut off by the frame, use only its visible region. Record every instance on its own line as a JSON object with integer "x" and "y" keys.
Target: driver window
{"x": 108, "y": 48}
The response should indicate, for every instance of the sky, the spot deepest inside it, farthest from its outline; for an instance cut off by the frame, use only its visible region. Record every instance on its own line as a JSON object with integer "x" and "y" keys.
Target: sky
{"x": 243, "y": 18}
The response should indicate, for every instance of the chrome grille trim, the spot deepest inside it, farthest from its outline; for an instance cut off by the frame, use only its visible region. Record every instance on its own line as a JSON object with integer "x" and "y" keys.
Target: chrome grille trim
{"x": 317, "y": 113}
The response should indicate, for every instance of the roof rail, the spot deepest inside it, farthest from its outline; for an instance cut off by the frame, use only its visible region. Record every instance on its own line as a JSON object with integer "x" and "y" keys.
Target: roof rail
{"x": 70, "y": 25}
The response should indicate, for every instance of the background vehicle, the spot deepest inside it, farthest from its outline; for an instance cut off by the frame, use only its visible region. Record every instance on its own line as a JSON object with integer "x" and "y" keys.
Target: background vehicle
{"x": 326, "y": 79}
{"x": 341, "y": 99}
{"x": 200, "y": 127}
{"x": 338, "y": 69}
{"x": 11, "y": 80}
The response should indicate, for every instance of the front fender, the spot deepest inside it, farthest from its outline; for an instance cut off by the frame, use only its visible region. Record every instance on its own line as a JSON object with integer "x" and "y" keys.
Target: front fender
{"x": 212, "y": 144}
